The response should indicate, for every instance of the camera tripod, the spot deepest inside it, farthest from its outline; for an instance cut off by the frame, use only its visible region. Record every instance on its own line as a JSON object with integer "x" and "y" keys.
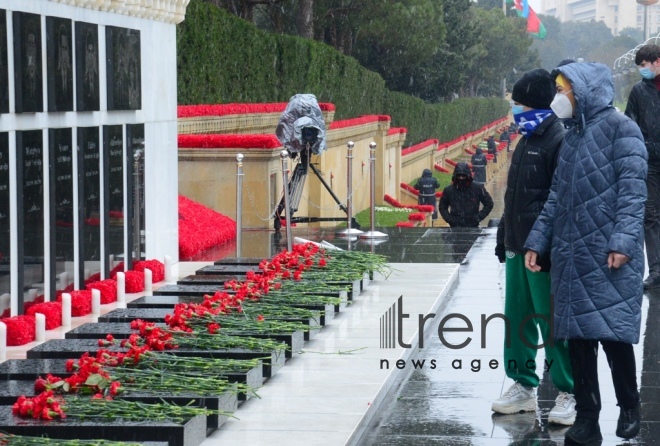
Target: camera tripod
{"x": 296, "y": 185}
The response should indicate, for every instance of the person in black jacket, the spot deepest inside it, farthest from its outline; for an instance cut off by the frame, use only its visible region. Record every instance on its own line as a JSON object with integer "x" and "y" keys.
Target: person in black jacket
{"x": 504, "y": 137}
{"x": 644, "y": 108}
{"x": 530, "y": 176}
{"x": 460, "y": 201}
{"x": 479, "y": 162}
{"x": 426, "y": 187}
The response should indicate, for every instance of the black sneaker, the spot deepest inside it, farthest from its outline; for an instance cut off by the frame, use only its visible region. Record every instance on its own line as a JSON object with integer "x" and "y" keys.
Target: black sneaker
{"x": 583, "y": 431}
{"x": 629, "y": 423}
{"x": 652, "y": 282}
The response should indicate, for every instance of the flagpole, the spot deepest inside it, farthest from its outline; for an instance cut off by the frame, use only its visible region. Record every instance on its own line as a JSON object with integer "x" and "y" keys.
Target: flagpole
{"x": 504, "y": 6}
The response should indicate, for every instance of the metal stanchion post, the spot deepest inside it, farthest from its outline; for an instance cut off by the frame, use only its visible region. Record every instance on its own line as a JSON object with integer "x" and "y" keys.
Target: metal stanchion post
{"x": 349, "y": 231}
{"x": 239, "y": 203}
{"x": 372, "y": 234}
{"x": 287, "y": 207}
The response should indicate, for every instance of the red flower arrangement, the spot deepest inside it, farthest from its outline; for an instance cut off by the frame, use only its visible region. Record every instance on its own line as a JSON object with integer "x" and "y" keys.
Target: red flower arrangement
{"x": 191, "y": 111}
{"x": 43, "y": 406}
{"x": 397, "y": 204}
{"x": 37, "y": 300}
{"x": 108, "y": 289}
{"x": 358, "y": 121}
{"x": 201, "y": 228}
{"x": 227, "y": 141}
{"x": 397, "y": 131}
{"x": 134, "y": 281}
{"x": 418, "y": 147}
{"x": 405, "y": 224}
{"x": 20, "y": 330}
{"x": 157, "y": 269}
{"x": 52, "y": 311}
{"x": 439, "y": 168}
{"x": 93, "y": 278}
{"x": 409, "y": 188}
{"x": 81, "y": 302}
{"x": 416, "y": 216}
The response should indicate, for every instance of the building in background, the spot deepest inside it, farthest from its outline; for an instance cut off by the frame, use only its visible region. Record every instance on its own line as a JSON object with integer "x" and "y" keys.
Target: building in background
{"x": 616, "y": 14}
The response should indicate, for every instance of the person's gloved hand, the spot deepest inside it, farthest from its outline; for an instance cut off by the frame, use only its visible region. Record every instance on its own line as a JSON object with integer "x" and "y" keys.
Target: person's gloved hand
{"x": 500, "y": 252}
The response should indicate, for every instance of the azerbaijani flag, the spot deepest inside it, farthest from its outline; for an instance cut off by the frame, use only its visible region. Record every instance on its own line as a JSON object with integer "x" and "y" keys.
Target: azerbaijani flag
{"x": 534, "y": 25}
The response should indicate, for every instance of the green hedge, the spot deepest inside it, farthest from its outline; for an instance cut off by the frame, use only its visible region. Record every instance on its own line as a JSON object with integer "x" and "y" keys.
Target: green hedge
{"x": 223, "y": 59}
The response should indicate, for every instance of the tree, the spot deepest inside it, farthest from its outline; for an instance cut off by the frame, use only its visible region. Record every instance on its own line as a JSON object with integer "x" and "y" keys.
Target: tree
{"x": 636, "y": 34}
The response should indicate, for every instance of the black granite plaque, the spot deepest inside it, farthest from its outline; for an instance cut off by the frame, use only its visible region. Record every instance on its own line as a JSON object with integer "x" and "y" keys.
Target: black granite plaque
{"x": 135, "y": 180}
{"x": 28, "y": 78}
{"x": 190, "y": 433}
{"x": 62, "y": 206}
{"x": 216, "y": 401}
{"x": 30, "y": 203}
{"x": 5, "y": 191}
{"x": 89, "y": 199}
{"x": 239, "y": 261}
{"x": 225, "y": 270}
{"x": 4, "y": 69}
{"x": 113, "y": 180}
{"x": 123, "y": 67}
{"x": 87, "y": 67}
{"x": 59, "y": 64}
{"x": 74, "y": 348}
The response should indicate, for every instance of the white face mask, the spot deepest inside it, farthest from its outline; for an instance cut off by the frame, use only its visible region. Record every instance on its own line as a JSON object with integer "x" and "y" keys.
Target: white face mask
{"x": 562, "y": 106}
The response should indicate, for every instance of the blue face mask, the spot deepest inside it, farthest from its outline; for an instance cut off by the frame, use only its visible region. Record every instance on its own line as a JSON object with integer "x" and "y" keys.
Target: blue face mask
{"x": 516, "y": 109}
{"x": 646, "y": 73}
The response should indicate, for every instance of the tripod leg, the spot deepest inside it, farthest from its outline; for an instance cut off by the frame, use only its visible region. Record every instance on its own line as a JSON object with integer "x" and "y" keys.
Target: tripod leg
{"x": 318, "y": 174}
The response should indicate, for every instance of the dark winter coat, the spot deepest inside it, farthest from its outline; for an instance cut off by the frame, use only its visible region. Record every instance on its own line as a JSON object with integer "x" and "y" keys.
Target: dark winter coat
{"x": 644, "y": 108}
{"x": 492, "y": 145}
{"x": 479, "y": 162}
{"x": 426, "y": 187}
{"x": 460, "y": 206}
{"x": 528, "y": 185}
{"x": 595, "y": 207}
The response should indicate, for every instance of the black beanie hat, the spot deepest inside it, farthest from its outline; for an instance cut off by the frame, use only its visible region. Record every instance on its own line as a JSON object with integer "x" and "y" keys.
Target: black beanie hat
{"x": 534, "y": 89}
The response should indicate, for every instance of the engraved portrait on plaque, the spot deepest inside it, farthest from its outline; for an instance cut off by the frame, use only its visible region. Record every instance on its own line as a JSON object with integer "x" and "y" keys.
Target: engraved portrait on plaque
{"x": 87, "y": 67}
{"x": 124, "y": 83}
{"x": 4, "y": 69}
{"x": 59, "y": 64}
{"x": 28, "y": 80}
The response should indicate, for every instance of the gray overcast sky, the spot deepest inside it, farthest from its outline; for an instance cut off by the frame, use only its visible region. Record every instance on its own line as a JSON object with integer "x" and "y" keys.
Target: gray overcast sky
{"x": 535, "y": 4}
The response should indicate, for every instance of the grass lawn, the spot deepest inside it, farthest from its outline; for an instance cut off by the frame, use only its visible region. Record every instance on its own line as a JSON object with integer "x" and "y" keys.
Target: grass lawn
{"x": 443, "y": 178}
{"x": 386, "y": 216}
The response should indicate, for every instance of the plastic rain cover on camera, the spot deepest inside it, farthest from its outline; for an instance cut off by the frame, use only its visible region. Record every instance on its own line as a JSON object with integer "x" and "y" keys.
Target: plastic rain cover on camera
{"x": 302, "y": 111}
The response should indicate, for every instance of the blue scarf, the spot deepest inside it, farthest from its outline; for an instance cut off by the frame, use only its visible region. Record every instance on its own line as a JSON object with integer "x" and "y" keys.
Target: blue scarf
{"x": 528, "y": 121}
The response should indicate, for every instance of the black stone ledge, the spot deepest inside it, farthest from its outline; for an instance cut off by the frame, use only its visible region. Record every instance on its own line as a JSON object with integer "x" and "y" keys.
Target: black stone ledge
{"x": 169, "y": 302}
{"x": 191, "y": 433}
{"x": 252, "y": 261}
{"x": 120, "y": 328}
{"x": 228, "y": 270}
{"x": 31, "y": 369}
{"x": 74, "y": 348}
{"x": 201, "y": 290}
{"x": 224, "y": 401}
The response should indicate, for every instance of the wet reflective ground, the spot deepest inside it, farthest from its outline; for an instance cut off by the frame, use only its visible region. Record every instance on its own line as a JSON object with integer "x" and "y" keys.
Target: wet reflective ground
{"x": 448, "y": 405}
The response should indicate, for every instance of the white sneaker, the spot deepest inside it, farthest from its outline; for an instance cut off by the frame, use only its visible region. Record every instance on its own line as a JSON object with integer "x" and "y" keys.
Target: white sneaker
{"x": 564, "y": 410}
{"x": 516, "y": 399}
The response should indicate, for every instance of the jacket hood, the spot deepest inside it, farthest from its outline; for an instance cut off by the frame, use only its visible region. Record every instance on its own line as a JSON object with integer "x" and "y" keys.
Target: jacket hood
{"x": 593, "y": 88}
{"x": 479, "y": 151}
{"x": 462, "y": 168}
{"x": 427, "y": 173}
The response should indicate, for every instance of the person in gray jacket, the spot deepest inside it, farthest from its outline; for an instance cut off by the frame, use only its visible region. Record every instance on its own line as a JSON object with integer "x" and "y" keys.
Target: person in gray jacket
{"x": 594, "y": 222}
{"x": 479, "y": 162}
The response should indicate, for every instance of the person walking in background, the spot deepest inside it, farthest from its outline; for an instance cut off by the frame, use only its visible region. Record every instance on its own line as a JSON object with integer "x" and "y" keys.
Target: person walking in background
{"x": 427, "y": 186}
{"x": 528, "y": 186}
{"x": 461, "y": 200}
{"x": 492, "y": 147}
{"x": 479, "y": 162}
{"x": 504, "y": 137}
{"x": 644, "y": 108}
{"x": 594, "y": 223}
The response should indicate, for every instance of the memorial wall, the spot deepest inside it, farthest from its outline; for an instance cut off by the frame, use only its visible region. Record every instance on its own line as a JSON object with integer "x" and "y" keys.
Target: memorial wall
{"x": 88, "y": 152}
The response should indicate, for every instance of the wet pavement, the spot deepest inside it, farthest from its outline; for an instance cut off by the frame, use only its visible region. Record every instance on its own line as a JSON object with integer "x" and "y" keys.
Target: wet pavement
{"x": 446, "y": 400}
{"x": 446, "y": 405}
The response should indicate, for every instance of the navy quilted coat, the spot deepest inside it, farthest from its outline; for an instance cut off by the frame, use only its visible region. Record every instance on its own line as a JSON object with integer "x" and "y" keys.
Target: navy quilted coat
{"x": 596, "y": 206}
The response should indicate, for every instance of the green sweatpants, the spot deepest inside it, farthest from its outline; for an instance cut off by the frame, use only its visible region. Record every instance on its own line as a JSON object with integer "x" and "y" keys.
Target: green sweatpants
{"x": 528, "y": 293}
